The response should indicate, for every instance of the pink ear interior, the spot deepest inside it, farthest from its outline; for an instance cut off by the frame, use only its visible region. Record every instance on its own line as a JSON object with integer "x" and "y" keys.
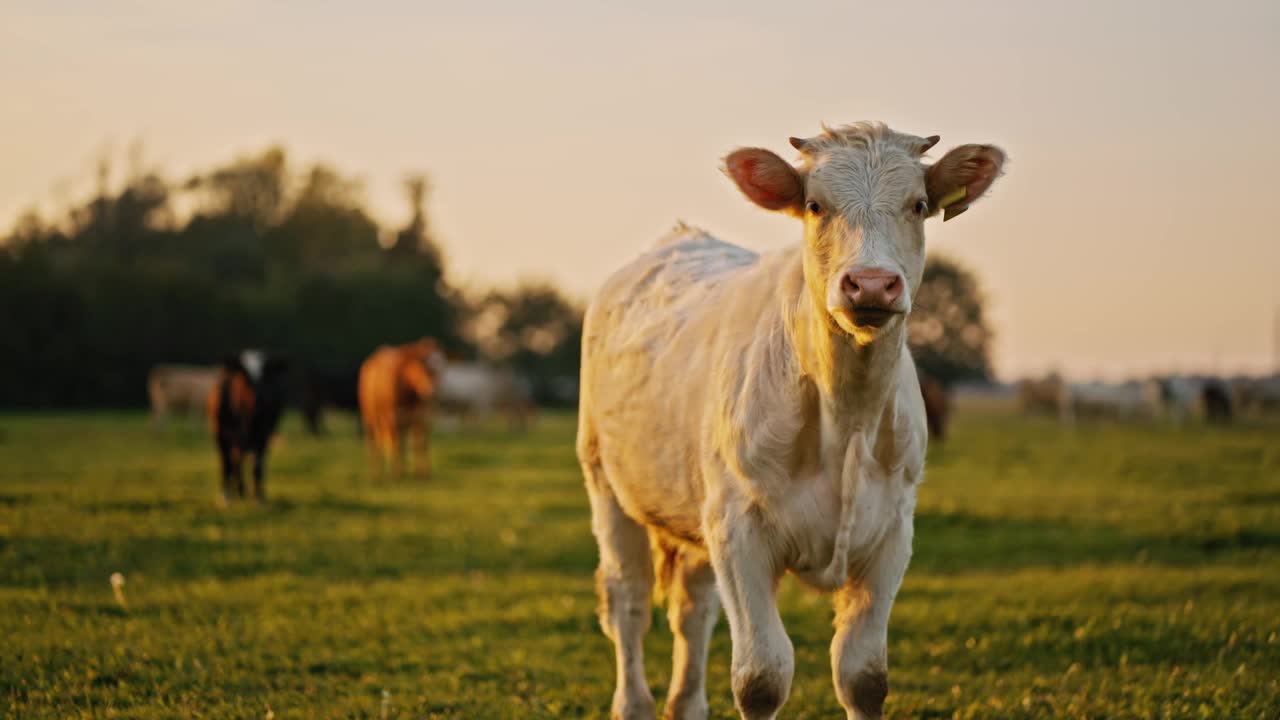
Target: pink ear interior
{"x": 766, "y": 179}
{"x": 973, "y": 167}
{"x": 984, "y": 168}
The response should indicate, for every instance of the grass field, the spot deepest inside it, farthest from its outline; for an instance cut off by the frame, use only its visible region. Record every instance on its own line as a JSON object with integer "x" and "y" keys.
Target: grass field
{"x": 1105, "y": 572}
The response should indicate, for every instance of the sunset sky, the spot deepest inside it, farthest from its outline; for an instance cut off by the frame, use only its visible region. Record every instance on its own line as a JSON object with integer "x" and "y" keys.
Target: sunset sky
{"x": 1135, "y": 230}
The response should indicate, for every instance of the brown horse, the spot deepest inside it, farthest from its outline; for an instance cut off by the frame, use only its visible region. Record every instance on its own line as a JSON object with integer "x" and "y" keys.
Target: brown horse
{"x": 397, "y": 384}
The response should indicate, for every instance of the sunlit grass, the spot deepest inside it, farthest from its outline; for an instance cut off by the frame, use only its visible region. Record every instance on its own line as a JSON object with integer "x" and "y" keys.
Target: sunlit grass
{"x": 1108, "y": 571}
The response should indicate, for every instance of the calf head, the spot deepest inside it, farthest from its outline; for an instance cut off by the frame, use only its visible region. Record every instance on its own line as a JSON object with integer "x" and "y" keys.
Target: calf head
{"x": 863, "y": 193}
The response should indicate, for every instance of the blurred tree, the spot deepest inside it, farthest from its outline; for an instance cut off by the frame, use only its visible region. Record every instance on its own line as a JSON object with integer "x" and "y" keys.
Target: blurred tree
{"x": 532, "y": 327}
{"x": 117, "y": 226}
{"x": 247, "y": 254}
{"x": 326, "y": 229}
{"x": 251, "y": 189}
{"x": 949, "y": 335}
{"x": 413, "y": 244}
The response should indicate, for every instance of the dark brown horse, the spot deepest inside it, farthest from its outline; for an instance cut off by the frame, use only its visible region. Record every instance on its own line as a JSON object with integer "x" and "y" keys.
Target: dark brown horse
{"x": 245, "y": 405}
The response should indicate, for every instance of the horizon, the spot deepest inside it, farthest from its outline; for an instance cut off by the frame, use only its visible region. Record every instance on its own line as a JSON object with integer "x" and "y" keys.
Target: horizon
{"x": 1127, "y": 162}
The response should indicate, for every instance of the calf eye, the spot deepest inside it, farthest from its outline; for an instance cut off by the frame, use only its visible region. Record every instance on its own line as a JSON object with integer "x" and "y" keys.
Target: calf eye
{"x": 813, "y": 207}
{"x": 921, "y": 207}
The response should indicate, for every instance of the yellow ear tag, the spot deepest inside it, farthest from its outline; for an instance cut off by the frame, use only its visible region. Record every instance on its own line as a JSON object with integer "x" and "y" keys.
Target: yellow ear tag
{"x": 953, "y": 197}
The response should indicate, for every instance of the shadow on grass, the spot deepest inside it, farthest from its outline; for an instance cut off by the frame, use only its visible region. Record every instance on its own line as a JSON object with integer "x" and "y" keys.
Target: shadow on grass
{"x": 1255, "y": 498}
{"x": 237, "y": 550}
{"x": 945, "y": 544}
{"x": 331, "y": 504}
{"x": 348, "y": 538}
{"x": 141, "y": 507}
{"x": 948, "y": 543}
{"x": 7, "y": 500}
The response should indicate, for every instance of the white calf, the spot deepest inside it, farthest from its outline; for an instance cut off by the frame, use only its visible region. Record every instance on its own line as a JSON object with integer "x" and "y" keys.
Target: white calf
{"x": 752, "y": 415}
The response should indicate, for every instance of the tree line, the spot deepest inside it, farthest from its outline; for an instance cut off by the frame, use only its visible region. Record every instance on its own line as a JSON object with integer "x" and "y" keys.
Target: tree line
{"x": 258, "y": 253}
{"x": 254, "y": 253}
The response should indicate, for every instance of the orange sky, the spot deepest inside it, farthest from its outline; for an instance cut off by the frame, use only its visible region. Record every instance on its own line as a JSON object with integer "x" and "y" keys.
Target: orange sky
{"x": 1133, "y": 231}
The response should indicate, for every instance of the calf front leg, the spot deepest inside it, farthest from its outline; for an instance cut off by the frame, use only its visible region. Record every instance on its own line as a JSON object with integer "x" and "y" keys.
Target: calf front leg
{"x": 859, "y": 650}
{"x": 747, "y": 570}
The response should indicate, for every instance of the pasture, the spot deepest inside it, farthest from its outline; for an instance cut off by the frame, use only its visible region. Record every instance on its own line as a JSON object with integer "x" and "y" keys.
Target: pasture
{"x": 1109, "y": 571}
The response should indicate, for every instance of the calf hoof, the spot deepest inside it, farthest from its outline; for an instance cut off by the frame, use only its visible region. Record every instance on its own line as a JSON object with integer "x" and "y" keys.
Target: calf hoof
{"x": 221, "y": 501}
{"x": 868, "y": 690}
{"x": 759, "y": 695}
{"x": 686, "y": 708}
{"x": 642, "y": 708}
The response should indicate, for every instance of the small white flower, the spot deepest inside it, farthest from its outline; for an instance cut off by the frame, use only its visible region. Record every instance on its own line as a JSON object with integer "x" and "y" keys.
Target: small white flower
{"x": 117, "y": 588}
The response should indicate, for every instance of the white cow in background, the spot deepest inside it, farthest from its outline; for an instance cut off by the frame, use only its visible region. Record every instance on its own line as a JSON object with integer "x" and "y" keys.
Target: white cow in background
{"x": 1181, "y": 397}
{"x": 1207, "y": 398}
{"x": 752, "y": 415}
{"x": 1256, "y": 396}
{"x": 1050, "y": 394}
{"x": 476, "y": 391}
{"x": 1119, "y": 401}
{"x": 179, "y": 389}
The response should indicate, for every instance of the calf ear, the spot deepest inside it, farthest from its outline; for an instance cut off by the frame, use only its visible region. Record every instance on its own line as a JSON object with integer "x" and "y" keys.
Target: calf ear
{"x": 961, "y": 177}
{"x": 766, "y": 179}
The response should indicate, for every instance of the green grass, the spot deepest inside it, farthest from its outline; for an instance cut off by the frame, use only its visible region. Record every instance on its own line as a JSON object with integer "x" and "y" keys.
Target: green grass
{"x": 1107, "y": 572}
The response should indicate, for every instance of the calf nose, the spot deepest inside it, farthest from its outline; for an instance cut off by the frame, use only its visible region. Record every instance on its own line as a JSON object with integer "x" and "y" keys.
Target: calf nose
{"x": 873, "y": 287}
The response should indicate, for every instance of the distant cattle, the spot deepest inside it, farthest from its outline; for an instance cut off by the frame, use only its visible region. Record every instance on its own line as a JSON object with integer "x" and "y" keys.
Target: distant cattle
{"x": 1049, "y": 395}
{"x": 1117, "y": 401}
{"x": 937, "y": 407}
{"x": 1202, "y": 397}
{"x": 1256, "y": 396}
{"x": 396, "y": 388}
{"x": 1216, "y": 398}
{"x": 245, "y": 405}
{"x": 174, "y": 389}
{"x": 477, "y": 390}
{"x": 1180, "y": 397}
{"x": 986, "y": 397}
{"x": 320, "y": 390}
